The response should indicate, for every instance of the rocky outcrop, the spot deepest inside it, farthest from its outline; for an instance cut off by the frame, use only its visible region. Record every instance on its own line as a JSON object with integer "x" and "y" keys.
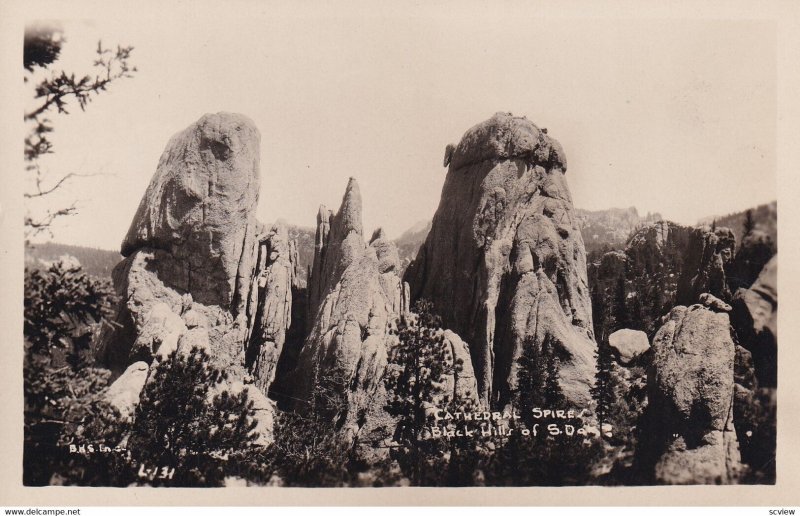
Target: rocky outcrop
{"x": 190, "y": 253}
{"x": 275, "y": 278}
{"x": 709, "y": 255}
{"x": 461, "y": 383}
{"x": 755, "y": 317}
{"x": 664, "y": 265}
{"x": 190, "y": 243}
{"x": 628, "y": 344}
{"x": 504, "y": 262}
{"x": 354, "y": 297}
{"x": 689, "y": 435}
{"x": 760, "y": 301}
{"x": 757, "y": 248}
{"x": 200, "y": 208}
{"x": 697, "y": 258}
{"x": 123, "y": 394}
{"x": 714, "y": 303}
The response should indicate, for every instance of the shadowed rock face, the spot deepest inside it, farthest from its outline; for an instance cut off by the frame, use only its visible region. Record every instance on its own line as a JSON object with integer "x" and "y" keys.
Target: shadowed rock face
{"x": 698, "y": 256}
{"x": 689, "y": 436}
{"x": 755, "y": 317}
{"x": 504, "y": 262}
{"x": 191, "y": 241}
{"x": 190, "y": 257}
{"x": 354, "y": 296}
{"x": 276, "y": 276}
{"x": 664, "y": 265}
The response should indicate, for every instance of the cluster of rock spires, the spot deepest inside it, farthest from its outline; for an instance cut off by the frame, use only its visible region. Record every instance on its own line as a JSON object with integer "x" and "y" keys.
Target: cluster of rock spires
{"x": 354, "y": 297}
{"x": 504, "y": 265}
{"x": 702, "y": 368}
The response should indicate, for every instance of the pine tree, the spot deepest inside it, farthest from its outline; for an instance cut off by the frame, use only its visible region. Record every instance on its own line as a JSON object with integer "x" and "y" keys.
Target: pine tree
{"x": 541, "y": 459}
{"x": 531, "y": 379}
{"x": 418, "y": 364}
{"x": 603, "y": 389}
{"x": 179, "y": 424}
{"x": 553, "y": 395}
{"x": 308, "y": 451}
{"x": 749, "y": 223}
{"x": 621, "y": 317}
{"x": 599, "y": 308}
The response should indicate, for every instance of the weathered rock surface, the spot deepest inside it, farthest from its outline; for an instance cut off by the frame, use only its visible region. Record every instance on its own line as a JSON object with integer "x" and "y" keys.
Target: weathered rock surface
{"x": 276, "y": 275}
{"x": 664, "y": 265}
{"x": 354, "y": 296}
{"x": 124, "y": 393}
{"x": 628, "y": 344}
{"x": 190, "y": 254}
{"x": 697, "y": 257}
{"x": 192, "y": 235}
{"x": 689, "y": 435}
{"x": 461, "y": 385}
{"x": 200, "y": 208}
{"x": 504, "y": 260}
{"x": 758, "y": 246}
{"x": 714, "y": 303}
{"x": 760, "y": 301}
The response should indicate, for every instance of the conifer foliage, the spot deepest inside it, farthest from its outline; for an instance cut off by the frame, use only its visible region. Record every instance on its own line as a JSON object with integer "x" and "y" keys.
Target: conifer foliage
{"x": 63, "y": 403}
{"x": 181, "y": 423}
{"x": 541, "y": 457}
{"x": 603, "y": 391}
{"x": 418, "y": 365}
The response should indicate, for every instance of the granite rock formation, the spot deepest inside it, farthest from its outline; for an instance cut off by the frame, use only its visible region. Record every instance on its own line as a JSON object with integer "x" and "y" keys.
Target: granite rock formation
{"x": 761, "y": 300}
{"x": 628, "y": 344}
{"x": 462, "y": 384}
{"x": 355, "y": 295}
{"x": 190, "y": 256}
{"x": 689, "y": 435}
{"x": 700, "y": 257}
{"x": 191, "y": 243}
{"x": 504, "y": 262}
{"x": 124, "y": 393}
{"x": 714, "y": 303}
{"x": 663, "y": 265}
{"x": 757, "y": 248}
{"x": 275, "y": 279}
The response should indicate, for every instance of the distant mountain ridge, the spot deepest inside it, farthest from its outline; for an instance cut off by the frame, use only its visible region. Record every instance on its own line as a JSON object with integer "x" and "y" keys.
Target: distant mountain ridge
{"x": 611, "y": 227}
{"x": 599, "y": 229}
{"x": 411, "y": 240}
{"x": 765, "y": 217}
{"x": 96, "y": 262}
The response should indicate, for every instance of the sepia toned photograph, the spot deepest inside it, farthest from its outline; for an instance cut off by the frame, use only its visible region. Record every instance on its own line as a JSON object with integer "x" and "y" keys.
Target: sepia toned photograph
{"x": 300, "y": 246}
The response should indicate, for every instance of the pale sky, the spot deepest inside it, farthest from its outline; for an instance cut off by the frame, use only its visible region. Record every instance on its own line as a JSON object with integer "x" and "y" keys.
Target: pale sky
{"x": 677, "y": 117}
